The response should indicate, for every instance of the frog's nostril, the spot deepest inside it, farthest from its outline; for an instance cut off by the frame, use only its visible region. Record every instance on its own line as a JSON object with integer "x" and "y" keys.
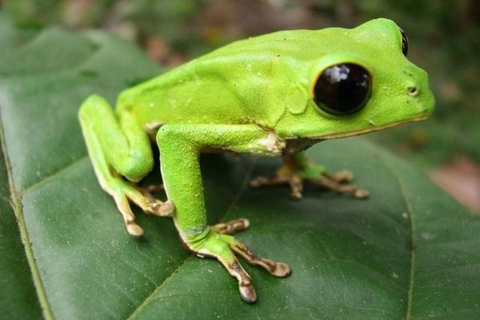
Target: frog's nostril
{"x": 412, "y": 91}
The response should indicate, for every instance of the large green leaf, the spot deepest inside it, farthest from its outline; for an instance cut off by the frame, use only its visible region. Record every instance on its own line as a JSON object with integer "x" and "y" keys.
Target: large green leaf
{"x": 409, "y": 251}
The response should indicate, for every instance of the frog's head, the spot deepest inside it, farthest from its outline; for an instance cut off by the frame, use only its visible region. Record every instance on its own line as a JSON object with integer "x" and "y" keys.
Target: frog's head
{"x": 362, "y": 83}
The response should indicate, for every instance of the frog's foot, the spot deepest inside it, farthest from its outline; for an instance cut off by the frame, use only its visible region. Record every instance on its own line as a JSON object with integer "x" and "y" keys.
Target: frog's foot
{"x": 123, "y": 191}
{"x": 295, "y": 177}
{"x": 223, "y": 247}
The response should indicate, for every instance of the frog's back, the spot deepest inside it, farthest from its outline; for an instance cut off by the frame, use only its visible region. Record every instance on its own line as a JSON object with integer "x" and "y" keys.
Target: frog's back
{"x": 302, "y": 44}
{"x": 229, "y": 85}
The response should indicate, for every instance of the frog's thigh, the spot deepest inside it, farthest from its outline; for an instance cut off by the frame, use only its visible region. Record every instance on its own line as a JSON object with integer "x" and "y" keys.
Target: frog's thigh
{"x": 122, "y": 144}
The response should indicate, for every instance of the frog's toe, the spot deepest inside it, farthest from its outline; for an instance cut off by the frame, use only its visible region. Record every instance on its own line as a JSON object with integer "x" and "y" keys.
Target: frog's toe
{"x": 361, "y": 194}
{"x": 160, "y": 208}
{"x": 277, "y": 269}
{"x": 134, "y": 229}
{"x": 128, "y": 217}
{"x": 231, "y": 226}
{"x": 153, "y": 188}
{"x": 248, "y": 293}
{"x": 294, "y": 181}
{"x": 333, "y": 183}
{"x": 272, "y": 180}
{"x": 282, "y": 270}
{"x": 343, "y": 176}
{"x": 143, "y": 198}
{"x": 125, "y": 190}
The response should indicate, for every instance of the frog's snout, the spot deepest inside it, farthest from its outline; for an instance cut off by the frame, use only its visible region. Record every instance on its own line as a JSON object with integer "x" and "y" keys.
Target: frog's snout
{"x": 418, "y": 91}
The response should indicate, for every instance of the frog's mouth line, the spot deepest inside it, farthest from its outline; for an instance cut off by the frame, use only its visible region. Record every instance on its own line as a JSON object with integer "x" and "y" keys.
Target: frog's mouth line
{"x": 368, "y": 130}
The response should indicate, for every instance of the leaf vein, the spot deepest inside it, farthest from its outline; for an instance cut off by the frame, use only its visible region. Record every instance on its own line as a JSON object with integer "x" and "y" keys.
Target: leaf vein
{"x": 412, "y": 239}
{"x": 52, "y": 176}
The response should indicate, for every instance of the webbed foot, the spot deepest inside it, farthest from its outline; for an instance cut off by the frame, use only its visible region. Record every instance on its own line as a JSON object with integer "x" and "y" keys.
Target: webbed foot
{"x": 216, "y": 243}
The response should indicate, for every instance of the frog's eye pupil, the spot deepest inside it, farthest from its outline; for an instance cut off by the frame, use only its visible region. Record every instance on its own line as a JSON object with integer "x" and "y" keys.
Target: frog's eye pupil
{"x": 342, "y": 89}
{"x": 404, "y": 42}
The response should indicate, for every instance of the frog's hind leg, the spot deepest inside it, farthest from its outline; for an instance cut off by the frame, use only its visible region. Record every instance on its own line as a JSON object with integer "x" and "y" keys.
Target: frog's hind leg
{"x": 118, "y": 146}
{"x": 298, "y": 169}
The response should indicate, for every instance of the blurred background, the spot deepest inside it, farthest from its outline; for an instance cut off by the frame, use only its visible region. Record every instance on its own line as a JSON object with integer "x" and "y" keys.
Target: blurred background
{"x": 444, "y": 40}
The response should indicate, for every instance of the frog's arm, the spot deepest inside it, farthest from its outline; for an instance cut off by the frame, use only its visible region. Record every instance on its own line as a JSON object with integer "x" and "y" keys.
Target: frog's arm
{"x": 180, "y": 146}
{"x": 119, "y": 142}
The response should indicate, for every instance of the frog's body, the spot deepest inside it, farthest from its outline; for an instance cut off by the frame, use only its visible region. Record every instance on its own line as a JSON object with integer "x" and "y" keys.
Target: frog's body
{"x": 269, "y": 95}
{"x": 281, "y": 74}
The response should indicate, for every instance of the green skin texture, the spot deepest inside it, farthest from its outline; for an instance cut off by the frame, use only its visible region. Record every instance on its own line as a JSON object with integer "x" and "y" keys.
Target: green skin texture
{"x": 252, "y": 96}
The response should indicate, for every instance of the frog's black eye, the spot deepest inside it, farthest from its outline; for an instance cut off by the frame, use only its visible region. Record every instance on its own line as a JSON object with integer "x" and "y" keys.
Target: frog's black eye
{"x": 342, "y": 89}
{"x": 404, "y": 42}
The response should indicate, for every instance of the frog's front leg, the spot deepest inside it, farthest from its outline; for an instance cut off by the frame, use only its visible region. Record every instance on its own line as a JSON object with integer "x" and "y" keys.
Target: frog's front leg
{"x": 118, "y": 146}
{"x": 298, "y": 168}
{"x": 180, "y": 147}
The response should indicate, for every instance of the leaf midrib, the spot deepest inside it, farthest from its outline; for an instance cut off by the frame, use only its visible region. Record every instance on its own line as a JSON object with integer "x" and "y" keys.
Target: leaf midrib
{"x": 18, "y": 211}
